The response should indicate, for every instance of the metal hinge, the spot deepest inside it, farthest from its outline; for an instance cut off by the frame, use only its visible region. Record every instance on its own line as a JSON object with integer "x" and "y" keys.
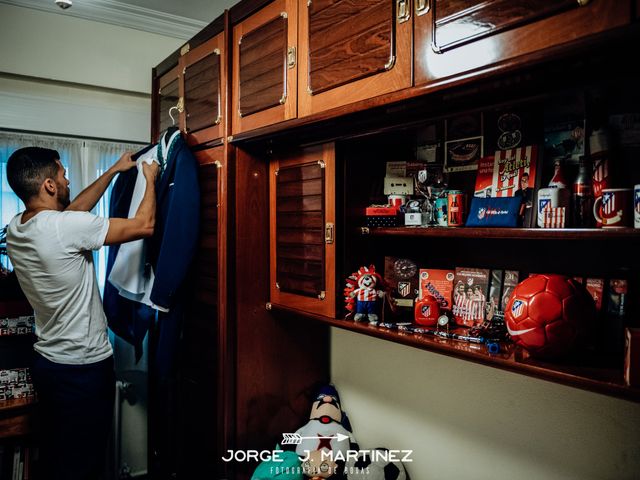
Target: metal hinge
{"x": 277, "y": 285}
{"x": 218, "y": 164}
{"x": 216, "y": 51}
{"x": 185, "y": 49}
{"x": 322, "y": 295}
{"x": 329, "y": 232}
{"x": 268, "y": 306}
{"x": 322, "y": 164}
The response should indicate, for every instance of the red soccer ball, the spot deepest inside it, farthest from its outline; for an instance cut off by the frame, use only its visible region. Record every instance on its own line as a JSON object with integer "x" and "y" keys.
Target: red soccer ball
{"x": 546, "y": 313}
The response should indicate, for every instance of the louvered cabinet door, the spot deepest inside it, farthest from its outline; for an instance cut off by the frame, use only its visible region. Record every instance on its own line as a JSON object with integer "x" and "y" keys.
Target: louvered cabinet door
{"x": 204, "y": 363}
{"x": 351, "y": 50}
{"x": 456, "y": 36}
{"x": 264, "y": 67}
{"x": 302, "y": 209}
{"x": 166, "y": 96}
{"x": 204, "y": 86}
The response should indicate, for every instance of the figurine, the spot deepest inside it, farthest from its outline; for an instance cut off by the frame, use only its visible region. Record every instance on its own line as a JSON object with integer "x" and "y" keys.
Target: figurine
{"x": 326, "y": 438}
{"x": 364, "y": 290}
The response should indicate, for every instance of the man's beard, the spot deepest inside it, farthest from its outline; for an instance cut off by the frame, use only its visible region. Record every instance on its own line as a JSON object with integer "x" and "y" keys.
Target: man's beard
{"x": 63, "y": 197}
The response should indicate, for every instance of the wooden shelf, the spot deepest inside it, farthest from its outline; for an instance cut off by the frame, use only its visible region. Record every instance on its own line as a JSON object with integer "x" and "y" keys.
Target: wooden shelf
{"x": 16, "y": 417}
{"x": 508, "y": 233}
{"x": 582, "y": 373}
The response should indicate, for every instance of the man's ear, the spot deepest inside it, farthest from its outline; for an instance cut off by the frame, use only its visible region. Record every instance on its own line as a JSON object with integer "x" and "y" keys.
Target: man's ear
{"x": 50, "y": 186}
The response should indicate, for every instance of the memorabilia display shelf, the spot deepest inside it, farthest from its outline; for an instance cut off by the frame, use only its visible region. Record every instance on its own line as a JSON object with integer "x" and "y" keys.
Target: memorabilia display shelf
{"x": 581, "y": 372}
{"x": 508, "y": 233}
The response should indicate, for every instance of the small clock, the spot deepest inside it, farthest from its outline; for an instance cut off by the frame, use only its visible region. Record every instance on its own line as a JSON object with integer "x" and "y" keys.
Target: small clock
{"x": 405, "y": 269}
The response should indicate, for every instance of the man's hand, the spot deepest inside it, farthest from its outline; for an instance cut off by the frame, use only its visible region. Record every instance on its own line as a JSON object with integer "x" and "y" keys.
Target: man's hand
{"x": 150, "y": 170}
{"x": 124, "y": 163}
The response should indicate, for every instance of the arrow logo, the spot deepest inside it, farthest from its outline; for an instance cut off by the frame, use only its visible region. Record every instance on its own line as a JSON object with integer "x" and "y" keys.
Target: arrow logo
{"x": 296, "y": 439}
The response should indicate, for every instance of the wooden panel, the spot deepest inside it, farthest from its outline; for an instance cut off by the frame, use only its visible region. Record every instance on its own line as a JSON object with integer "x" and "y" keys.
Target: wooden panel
{"x": 263, "y": 56}
{"x": 205, "y": 84}
{"x": 461, "y": 21}
{"x": 302, "y": 203}
{"x": 299, "y": 193}
{"x": 264, "y": 88}
{"x": 348, "y": 40}
{"x": 351, "y": 50}
{"x": 279, "y": 362}
{"x": 202, "y": 93}
{"x": 204, "y": 359}
{"x": 168, "y": 97}
{"x": 487, "y": 50}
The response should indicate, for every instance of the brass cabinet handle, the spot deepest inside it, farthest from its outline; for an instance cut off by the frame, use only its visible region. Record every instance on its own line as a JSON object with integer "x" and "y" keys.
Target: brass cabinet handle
{"x": 291, "y": 57}
{"x": 329, "y": 232}
{"x": 403, "y": 10}
{"x": 422, "y": 7}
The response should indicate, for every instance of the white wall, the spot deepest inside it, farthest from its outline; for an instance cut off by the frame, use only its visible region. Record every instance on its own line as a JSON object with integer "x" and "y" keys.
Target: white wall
{"x": 67, "y": 75}
{"x": 69, "y": 49}
{"x": 467, "y": 421}
{"x": 29, "y": 104}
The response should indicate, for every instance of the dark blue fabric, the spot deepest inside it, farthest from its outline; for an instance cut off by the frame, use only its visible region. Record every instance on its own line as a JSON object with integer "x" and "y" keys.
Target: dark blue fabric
{"x": 173, "y": 245}
{"x": 75, "y": 407}
{"x": 170, "y": 251}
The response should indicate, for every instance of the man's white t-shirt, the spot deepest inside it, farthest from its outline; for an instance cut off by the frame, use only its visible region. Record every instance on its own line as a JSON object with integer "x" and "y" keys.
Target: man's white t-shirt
{"x": 52, "y": 258}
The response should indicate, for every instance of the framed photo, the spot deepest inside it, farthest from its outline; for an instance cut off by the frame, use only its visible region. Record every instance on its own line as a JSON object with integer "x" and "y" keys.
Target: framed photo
{"x": 463, "y": 154}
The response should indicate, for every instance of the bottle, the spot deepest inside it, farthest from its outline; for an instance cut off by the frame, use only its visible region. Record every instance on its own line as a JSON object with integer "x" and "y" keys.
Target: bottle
{"x": 558, "y": 180}
{"x": 582, "y": 196}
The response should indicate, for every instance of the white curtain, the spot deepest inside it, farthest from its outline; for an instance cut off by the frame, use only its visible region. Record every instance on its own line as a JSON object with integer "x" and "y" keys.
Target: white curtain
{"x": 85, "y": 161}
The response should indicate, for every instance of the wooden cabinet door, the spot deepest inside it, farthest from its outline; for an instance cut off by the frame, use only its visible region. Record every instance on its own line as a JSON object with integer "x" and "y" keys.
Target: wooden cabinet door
{"x": 166, "y": 96}
{"x": 204, "y": 364}
{"x": 302, "y": 209}
{"x": 204, "y": 77}
{"x": 456, "y": 36}
{"x": 350, "y": 50}
{"x": 264, "y": 67}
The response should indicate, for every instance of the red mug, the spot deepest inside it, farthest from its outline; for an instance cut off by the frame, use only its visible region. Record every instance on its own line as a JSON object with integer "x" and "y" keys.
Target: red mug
{"x": 427, "y": 311}
{"x": 614, "y": 208}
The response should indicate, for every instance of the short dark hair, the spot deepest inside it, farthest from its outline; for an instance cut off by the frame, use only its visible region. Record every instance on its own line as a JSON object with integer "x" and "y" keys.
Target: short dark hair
{"x": 28, "y": 167}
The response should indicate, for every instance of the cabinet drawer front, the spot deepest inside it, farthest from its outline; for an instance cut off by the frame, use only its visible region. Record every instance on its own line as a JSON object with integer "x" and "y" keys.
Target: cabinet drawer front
{"x": 263, "y": 67}
{"x": 457, "y": 22}
{"x": 202, "y": 93}
{"x": 349, "y": 40}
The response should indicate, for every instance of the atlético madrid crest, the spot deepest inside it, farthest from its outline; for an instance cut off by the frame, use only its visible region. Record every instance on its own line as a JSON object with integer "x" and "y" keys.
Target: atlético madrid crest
{"x": 516, "y": 308}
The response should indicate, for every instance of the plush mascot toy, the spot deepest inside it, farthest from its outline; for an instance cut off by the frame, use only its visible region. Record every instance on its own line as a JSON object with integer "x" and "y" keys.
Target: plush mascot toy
{"x": 326, "y": 439}
{"x": 363, "y": 293}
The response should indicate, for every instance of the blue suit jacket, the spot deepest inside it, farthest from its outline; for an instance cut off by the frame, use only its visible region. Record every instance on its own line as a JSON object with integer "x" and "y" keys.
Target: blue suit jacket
{"x": 170, "y": 251}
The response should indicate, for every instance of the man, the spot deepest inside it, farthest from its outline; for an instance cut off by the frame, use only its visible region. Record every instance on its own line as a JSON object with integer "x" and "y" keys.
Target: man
{"x": 50, "y": 246}
{"x": 526, "y": 193}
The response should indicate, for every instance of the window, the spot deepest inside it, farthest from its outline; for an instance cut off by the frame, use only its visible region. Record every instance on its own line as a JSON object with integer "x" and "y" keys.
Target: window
{"x": 84, "y": 161}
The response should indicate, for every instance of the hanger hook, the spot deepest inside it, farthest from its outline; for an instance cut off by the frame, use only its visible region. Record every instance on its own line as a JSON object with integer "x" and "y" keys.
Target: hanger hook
{"x": 173, "y": 120}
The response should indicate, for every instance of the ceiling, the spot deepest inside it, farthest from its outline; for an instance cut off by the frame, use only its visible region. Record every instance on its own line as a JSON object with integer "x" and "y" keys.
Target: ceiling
{"x": 202, "y": 10}
{"x": 175, "y": 18}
